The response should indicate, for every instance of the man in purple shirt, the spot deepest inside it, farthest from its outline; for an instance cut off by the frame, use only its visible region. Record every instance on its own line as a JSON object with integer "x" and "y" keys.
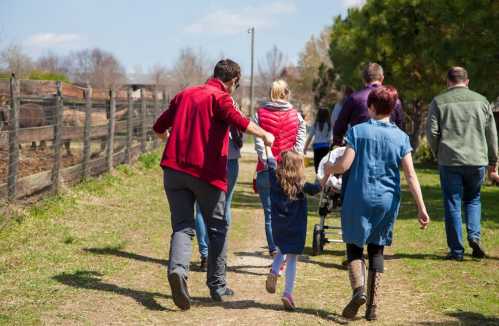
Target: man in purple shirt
{"x": 355, "y": 108}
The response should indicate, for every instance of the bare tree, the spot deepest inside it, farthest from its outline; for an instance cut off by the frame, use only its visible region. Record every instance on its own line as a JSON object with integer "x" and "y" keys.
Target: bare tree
{"x": 271, "y": 67}
{"x": 159, "y": 75}
{"x": 191, "y": 68}
{"x": 13, "y": 59}
{"x": 97, "y": 67}
{"x": 52, "y": 62}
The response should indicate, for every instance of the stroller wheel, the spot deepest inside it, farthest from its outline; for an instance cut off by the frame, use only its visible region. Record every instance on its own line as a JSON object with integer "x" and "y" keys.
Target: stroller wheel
{"x": 317, "y": 245}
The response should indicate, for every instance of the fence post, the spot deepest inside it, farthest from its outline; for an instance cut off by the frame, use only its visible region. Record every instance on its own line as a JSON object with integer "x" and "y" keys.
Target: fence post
{"x": 129, "y": 127}
{"x": 143, "y": 134}
{"x": 86, "y": 132}
{"x": 111, "y": 127}
{"x": 165, "y": 100}
{"x": 56, "y": 169}
{"x": 13, "y": 145}
{"x": 156, "y": 114}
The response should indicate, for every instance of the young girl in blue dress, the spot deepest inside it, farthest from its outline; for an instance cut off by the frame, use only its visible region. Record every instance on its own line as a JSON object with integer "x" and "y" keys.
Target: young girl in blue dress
{"x": 289, "y": 219}
{"x": 371, "y": 195}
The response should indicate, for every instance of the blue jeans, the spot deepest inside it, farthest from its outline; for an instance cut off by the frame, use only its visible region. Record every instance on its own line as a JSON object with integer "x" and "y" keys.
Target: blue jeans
{"x": 201, "y": 233}
{"x": 263, "y": 188}
{"x": 461, "y": 186}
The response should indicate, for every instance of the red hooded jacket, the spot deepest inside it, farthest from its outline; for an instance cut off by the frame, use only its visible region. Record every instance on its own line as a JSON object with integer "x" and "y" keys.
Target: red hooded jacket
{"x": 199, "y": 118}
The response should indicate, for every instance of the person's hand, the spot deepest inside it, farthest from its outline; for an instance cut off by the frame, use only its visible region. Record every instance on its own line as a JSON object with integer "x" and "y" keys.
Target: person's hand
{"x": 163, "y": 136}
{"x": 494, "y": 177}
{"x": 328, "y": 169}
{"x": 268, "y": 139}
{"x": 424, "y": 219}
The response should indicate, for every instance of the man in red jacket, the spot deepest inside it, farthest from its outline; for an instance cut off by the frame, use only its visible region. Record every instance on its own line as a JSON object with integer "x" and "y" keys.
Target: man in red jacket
{"x": 195, "y": 169}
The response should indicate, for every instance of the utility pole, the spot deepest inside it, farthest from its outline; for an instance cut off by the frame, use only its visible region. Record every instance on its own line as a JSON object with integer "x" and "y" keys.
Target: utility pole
{"x": 252, "y": 85}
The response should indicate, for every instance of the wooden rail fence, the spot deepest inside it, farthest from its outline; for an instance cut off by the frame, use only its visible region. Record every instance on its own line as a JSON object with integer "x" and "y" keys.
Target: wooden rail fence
{"x": 133, "y": 130}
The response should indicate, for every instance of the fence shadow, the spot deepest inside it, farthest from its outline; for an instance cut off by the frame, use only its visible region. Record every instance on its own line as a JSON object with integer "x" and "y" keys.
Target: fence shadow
{"x": 91, "y": 280}
{"x": 465, "y": 318}
{"x": 301, "y": 258}
{"x": 124, "y": 254}
{"x": 244, "y": 200}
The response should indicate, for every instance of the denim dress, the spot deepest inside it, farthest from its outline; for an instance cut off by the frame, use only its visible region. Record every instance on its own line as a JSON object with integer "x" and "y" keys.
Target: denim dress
{"x": 371, "y": 188}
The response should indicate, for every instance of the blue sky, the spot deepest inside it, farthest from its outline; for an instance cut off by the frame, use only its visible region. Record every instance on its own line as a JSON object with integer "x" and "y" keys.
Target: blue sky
{"x": 147, "y": 32}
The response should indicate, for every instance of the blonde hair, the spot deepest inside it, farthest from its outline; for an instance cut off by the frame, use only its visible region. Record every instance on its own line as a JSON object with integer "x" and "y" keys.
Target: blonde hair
{"x": 279, "y": 91}
{"x": 291, "y": 173}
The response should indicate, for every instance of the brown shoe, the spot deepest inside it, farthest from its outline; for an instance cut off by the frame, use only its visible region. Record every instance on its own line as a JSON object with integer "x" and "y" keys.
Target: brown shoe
{"x": 373, "y": 283}
{"x": 271, "y": 282}
{"x": 357, "y": 276}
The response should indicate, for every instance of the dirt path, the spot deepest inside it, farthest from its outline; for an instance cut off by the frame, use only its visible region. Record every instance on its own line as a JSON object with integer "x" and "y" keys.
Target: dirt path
{"x": 137, "y": 293}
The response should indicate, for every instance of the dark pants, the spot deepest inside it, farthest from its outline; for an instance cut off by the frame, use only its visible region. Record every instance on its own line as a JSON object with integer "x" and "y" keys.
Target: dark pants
{"x": 319, "y": 153}
{"x": 461, "y": 187}
{"x": 374, "y": 254}
{"x": 183, "y": 191}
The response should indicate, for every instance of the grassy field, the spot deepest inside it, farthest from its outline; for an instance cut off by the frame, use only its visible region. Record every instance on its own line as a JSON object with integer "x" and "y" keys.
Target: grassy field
{"x": 96, "y": 255}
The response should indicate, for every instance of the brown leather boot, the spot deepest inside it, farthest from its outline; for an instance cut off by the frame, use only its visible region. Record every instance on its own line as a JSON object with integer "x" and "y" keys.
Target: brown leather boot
{"x": 373, "y": 281}
{"x": 357, "y": 275}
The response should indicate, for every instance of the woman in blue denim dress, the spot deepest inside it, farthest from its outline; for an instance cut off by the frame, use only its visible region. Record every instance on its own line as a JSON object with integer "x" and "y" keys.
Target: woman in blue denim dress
{"x": 376, "y": 150}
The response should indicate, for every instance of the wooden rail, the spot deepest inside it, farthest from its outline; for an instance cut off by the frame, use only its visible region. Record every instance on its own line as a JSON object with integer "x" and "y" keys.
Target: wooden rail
{"x": 143, "y": 107}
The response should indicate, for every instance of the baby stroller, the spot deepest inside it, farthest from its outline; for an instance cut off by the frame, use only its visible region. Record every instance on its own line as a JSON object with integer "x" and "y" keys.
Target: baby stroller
{"x": 330, "y": 201}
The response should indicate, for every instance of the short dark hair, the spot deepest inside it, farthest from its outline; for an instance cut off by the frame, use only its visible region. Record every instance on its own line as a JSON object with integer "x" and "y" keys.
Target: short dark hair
{"x": 383, "y": 99}
{"x": 372, "y": 72}
{"x": 226, "y": 69}
{"x": 457, "y": 75}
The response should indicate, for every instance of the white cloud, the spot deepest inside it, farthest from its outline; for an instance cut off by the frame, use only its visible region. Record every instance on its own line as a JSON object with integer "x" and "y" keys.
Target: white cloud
{"x": 232, "y": 21}
{"x": 352, "y": 3}
{"x": 52, "y": 39}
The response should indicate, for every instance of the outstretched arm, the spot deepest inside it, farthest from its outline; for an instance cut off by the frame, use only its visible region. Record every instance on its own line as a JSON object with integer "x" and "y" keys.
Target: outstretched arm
{"x": 341, "y": 165}
{"x": 254, "y": 129}
{"x": 415, "y": 189}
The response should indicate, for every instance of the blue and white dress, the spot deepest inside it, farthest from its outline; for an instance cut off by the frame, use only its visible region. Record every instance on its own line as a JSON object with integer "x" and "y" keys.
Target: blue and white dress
{"x": 371, "y": 193}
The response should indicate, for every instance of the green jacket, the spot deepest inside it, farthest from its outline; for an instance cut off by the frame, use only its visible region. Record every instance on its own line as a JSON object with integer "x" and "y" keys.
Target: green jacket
{"x": 461, "y": 129}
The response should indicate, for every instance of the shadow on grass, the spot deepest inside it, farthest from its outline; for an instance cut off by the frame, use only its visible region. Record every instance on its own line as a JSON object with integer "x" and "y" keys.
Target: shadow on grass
{"x": 424, "y": 256}
{"x": 244, "y": 199}
{"x": 339, "y": 253}
{"x": 466, "y": 318}
{"x": 243, "y": 269}
{"x": 91, "y": 280}
{"x": 301, "y": 258}
{"x": 240, "y": 269}
{"x": 124, "y": 254}
{"x": 249, "y": 304}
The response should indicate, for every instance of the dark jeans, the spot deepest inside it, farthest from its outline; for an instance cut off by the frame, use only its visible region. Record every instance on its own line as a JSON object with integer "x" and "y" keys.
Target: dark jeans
{"x": 201, "y": 234}
{"x": 183, "y": 191}
{"x": 374, "y": 254}
{"x": 319, "y": 153}
{"x": 461, "y": 187}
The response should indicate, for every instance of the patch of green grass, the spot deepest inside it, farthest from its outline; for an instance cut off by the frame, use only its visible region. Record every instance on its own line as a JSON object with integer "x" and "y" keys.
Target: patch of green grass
{"x": 150, "y": 160}
{"x": 450, "y": 286}
{"x": 50, "y": 238}
{"x": 105, "y": 243}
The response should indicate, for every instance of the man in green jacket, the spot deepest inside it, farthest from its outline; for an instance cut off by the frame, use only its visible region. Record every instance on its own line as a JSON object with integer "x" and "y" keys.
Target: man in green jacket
{"x": 462, "y": 135}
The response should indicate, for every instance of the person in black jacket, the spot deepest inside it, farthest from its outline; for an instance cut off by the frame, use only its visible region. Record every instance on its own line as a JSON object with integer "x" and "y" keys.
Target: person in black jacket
{"x": 289, "y": 219}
